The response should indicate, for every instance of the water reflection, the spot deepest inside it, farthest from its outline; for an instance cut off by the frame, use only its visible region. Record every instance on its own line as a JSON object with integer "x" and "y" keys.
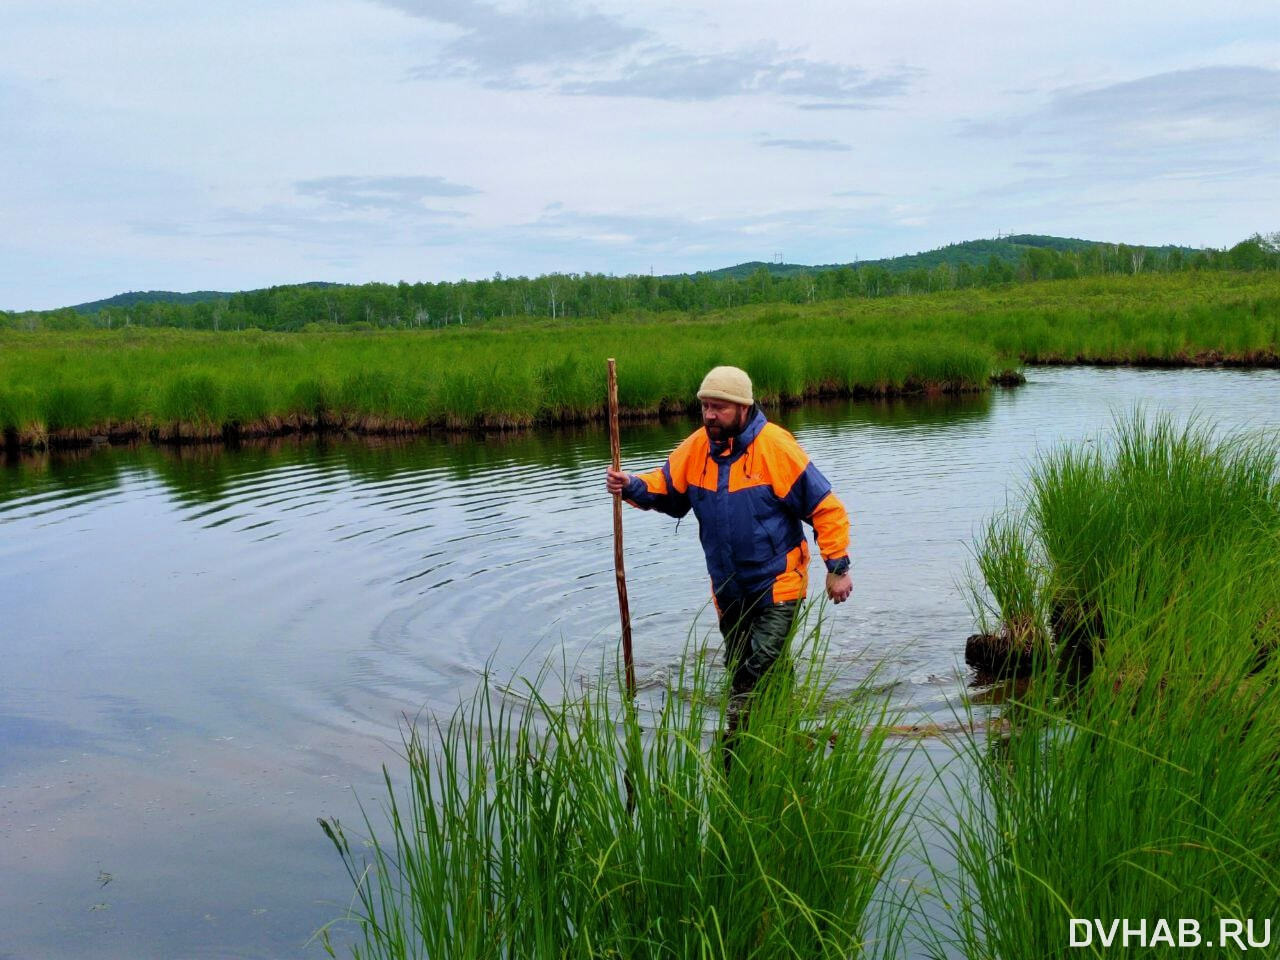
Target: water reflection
{"x": 208, "y": 473}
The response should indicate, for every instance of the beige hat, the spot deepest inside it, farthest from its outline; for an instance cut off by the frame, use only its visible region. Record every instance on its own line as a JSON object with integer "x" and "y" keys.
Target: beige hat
{"x": 726, "y": 383}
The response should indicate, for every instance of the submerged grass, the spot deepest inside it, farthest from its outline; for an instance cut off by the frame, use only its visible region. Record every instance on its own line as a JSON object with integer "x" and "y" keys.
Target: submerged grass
{"x": 172, "y": 385}
{"x": 514, "y": 837}
{"x": 1148, "y": 788}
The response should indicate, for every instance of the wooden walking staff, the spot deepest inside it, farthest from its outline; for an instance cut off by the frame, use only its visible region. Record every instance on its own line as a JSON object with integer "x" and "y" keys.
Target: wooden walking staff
{"x": 615, "y": 450}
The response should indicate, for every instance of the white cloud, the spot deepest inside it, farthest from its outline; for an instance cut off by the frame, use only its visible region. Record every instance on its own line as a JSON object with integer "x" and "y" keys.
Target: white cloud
{"x": 382, "y": 192}
{"x": 825, "y": 146}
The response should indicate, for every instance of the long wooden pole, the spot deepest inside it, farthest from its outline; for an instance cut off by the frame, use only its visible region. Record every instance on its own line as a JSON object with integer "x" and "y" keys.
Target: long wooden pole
{"x": 619, "y": 573}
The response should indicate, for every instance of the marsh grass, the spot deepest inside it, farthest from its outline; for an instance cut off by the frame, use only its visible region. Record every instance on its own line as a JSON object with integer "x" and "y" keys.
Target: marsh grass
{"x": 513, "y": 836}
{"x": 1010, "y": 605}
{"x": 1147, "y": 790}
{"x": 1150, "y": 787}
{"x": 173, "y": 384}
{"x": 1151, "y": 496}
{"x": 170, "y": 384}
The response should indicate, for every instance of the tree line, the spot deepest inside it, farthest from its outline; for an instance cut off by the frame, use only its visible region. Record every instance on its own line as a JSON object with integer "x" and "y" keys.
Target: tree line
{"x": 404, "y": 305}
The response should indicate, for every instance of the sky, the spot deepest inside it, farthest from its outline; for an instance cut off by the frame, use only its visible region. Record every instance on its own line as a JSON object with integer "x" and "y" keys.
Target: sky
{"x": 225, "y": 145}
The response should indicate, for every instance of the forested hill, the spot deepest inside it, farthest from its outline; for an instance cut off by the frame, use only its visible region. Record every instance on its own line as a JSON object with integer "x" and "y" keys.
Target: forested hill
{"x": 134, "y": 297}
{"x": 976, "y": 253}
{"x": 330, "y": 306}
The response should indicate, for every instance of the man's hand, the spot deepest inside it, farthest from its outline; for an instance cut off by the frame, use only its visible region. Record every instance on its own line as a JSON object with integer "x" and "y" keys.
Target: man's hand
{"x": 615, "y": 481}
{"x": 839, "y": 586}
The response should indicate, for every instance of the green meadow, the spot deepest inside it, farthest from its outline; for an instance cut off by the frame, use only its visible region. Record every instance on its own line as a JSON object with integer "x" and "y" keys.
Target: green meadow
{"x": 168, "y": 384}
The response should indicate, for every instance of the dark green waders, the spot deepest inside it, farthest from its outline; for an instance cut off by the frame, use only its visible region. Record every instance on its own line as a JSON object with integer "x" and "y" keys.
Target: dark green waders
{"x": 755, "y": 634}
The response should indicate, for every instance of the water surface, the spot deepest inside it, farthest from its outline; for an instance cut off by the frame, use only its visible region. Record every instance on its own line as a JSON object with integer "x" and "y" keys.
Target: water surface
{"x": 205, "y": 650}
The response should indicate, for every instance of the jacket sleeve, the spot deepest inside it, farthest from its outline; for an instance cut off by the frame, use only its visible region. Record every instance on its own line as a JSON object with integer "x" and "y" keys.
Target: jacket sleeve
{"x": 662, "y": 489}
{"x": 831, "y": 526}
{"x": 807, "y": 493}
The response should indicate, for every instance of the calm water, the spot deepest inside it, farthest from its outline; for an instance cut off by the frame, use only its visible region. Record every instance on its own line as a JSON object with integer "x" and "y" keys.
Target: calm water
{"x": 206, "y": 650}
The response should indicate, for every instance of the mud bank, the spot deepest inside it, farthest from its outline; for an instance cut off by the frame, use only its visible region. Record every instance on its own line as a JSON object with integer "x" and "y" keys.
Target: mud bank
{"x": 1262, "y": 359}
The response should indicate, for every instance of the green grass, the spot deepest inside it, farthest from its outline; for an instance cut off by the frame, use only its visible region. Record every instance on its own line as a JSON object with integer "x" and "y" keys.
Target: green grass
{"x": 1150, "y": 496}
{"x": 170, "y": 384}
{"x": 1147, "y": 791}
{"x": 1149, "y": 787}
{"x": 158, "y": 381}
{"x": 513, "y": 838}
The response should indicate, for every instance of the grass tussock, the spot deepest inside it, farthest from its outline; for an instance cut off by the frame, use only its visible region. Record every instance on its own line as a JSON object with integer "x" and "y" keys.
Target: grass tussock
{"x": 1146, "y": 788}
{"x": 1150, "y": 500}
{"x": 513, "y": 837}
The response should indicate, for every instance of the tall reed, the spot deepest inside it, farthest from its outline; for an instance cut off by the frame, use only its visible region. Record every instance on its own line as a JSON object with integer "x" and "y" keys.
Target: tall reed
{"x": 514, "y": 836}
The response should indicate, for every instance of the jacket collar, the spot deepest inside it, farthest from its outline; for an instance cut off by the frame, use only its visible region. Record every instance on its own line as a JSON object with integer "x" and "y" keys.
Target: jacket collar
{"x": 734, "y": 446}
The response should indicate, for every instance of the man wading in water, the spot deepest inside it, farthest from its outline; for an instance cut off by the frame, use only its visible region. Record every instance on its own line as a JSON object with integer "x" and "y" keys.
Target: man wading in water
{"x": 750, "y": 485}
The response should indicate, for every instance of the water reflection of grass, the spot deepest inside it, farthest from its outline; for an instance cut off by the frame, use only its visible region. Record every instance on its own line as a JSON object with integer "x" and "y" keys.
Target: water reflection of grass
{"x": 204, "y": 472}
{"x": 514, "y": 838}
{"x": 180, "y": 385}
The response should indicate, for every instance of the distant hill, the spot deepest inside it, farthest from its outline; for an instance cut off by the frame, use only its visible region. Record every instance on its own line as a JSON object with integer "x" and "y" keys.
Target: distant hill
{"x": 976, "y": 253}
{"x": 985, "y": 264}
{"x": 135, "y": 297}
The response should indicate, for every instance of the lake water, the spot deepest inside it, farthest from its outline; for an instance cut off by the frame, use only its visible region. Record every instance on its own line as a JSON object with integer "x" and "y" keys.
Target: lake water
{"x": 205, "y": 650}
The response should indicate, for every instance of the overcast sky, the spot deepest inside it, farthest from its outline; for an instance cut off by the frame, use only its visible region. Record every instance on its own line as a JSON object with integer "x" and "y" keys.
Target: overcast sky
{"x": 166, "y": 144}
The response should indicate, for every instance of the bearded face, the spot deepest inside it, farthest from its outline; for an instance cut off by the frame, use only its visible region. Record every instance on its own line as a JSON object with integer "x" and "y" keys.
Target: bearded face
{"x": 723, "y": 419}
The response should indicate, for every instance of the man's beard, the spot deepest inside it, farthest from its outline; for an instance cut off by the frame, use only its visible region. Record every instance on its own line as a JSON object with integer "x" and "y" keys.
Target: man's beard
{"x": 724, "y": 432}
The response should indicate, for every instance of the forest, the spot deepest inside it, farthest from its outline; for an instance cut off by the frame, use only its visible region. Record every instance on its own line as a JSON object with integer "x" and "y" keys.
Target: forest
{"x": 332, "y": 307}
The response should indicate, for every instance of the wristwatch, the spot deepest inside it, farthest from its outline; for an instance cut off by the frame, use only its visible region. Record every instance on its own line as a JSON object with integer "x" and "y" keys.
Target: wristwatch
{"x": 839, "y": 567}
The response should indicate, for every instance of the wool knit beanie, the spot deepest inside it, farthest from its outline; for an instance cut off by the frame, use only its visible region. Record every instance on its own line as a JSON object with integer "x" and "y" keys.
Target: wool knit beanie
{"x": 726, "y": 383}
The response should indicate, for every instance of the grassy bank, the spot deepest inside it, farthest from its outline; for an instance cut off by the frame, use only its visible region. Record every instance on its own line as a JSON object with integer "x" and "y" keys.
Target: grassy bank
{"x": 170, "y": 385}
{"x": 1147, "y": 790}
{"x": 1145, "y": 787}
{"x": 513, "y": 836}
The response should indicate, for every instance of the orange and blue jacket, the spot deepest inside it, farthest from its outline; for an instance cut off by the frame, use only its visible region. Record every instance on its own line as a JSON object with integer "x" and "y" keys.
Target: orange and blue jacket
{"x": 750, "y": 494}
